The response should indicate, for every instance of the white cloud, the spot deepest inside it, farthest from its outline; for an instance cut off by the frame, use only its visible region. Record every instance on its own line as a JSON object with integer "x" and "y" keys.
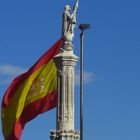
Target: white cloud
{"x": 11, "y": 70}
{"x": 8, "y": 72}
{"x": 88, "y": 77}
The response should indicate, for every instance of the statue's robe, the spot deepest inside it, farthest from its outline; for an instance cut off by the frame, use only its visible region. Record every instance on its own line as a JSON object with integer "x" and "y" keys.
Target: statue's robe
{"x": 69, "y": 22}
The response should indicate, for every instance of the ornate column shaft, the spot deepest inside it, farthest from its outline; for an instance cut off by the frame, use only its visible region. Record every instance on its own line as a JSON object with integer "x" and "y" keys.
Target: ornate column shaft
{"x": 65, "y": 62}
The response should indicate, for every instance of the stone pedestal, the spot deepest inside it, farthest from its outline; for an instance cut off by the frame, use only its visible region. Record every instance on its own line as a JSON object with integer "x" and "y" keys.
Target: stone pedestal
{"x": 65, "y": 62}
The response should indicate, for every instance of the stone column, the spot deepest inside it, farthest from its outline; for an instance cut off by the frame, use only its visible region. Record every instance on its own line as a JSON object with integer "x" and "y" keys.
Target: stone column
{"x": 65, "y": 62}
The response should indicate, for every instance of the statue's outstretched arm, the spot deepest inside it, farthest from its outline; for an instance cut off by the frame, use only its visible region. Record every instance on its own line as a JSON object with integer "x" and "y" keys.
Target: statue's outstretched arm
{"x": 76, "y": 5}
{"x": 74, "y": 10}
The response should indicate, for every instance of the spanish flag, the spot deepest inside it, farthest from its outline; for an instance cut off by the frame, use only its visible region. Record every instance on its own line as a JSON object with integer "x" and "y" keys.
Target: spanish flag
{"x": 30, "y": 94}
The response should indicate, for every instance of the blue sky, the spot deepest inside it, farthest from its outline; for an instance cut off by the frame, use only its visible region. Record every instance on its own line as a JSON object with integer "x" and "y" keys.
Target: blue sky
{"x": 112, "y": 61}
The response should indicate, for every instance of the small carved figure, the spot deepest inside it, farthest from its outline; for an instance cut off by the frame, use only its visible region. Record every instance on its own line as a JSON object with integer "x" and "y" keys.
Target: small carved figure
{"x": 69, "y": 22}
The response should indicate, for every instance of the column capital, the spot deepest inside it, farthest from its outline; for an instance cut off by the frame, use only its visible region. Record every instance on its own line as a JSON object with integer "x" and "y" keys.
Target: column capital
{"x": 65, "y": 58}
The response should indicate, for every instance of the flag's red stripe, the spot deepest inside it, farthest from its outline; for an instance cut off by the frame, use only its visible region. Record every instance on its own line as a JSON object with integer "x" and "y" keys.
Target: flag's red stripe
{"x": 47, "y": 56}
{"x": 21, "y": 78}
{"x": 31, "y": 111}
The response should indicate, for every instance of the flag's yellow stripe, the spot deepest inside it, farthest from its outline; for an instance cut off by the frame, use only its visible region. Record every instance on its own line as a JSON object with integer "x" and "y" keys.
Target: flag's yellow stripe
{"x": 46, "y": 83}
{"x": 23, "y": 96}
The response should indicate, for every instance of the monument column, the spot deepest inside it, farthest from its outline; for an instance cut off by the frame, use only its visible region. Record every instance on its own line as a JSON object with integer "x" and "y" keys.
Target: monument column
{"x": 65, "y": 62}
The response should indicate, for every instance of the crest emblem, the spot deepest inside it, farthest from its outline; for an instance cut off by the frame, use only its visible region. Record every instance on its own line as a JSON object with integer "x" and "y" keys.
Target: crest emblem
{"x": 37, "y": 87}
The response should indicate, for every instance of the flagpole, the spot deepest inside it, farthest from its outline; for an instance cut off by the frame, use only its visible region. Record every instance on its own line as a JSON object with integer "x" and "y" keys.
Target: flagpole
{"x": 82, "y": 27}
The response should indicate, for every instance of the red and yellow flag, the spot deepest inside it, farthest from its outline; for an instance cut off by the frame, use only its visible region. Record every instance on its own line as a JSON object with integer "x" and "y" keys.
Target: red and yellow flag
{"x": 30, "y": 94}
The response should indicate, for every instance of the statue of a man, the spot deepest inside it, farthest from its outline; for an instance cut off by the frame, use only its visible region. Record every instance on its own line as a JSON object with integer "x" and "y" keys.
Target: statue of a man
{"x": 69, "y": 21}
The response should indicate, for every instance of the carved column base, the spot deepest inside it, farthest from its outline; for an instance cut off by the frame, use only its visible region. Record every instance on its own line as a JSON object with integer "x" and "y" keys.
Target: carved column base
{"x": 65, "y": 135}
